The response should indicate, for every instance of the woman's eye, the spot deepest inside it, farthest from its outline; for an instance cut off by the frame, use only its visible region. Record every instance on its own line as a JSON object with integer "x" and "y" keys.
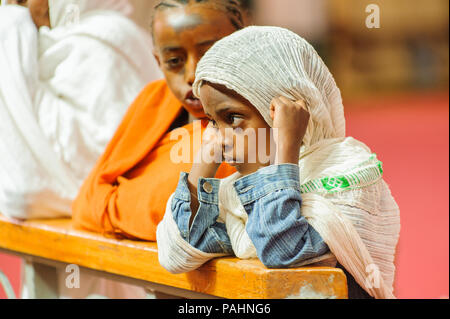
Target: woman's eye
{"x": 174, "y": 62}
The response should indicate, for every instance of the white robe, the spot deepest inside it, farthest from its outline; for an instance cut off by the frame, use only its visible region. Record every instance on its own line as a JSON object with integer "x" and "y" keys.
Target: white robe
{"x": 63, "y": 92}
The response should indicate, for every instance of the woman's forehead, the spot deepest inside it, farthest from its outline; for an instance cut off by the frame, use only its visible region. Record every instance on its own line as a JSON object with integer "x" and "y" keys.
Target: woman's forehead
{"x": 181, "y": 21}
{"x": 190, "y": 16}
{"x": 172, "y": 25}
{"x": 174, "y": 18}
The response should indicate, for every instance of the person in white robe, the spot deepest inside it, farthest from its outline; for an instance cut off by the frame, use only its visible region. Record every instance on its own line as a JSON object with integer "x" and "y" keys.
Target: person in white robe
{"x": 63, "y": 90}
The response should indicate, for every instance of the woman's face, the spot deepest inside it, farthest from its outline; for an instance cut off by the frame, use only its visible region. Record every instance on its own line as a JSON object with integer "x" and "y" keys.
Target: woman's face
{"x": 247, "y": 139}
{"x": 182, "y": 36}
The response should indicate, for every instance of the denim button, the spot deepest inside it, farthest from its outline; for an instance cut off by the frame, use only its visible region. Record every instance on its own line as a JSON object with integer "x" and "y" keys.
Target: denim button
{"x": 207, "y": 187}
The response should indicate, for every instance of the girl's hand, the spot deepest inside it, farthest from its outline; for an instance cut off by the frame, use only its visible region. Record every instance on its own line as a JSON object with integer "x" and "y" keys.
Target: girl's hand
{"x": 290, "y": 121}
{"x": 206, "y": 163}
{"x": 210, "y": 153}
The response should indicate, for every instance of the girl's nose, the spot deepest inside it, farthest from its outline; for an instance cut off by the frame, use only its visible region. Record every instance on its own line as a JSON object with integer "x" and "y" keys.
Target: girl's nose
{"x": 227, "y": 148}
{"x": 227, "y": 139}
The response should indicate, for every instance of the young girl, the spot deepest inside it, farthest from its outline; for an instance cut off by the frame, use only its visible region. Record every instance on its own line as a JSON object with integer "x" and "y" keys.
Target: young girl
{"x": 331, "y": 198}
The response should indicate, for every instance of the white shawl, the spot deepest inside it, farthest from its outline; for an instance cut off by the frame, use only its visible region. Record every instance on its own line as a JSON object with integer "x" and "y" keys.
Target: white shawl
{"x": 344, "y": 196}
{"x": 63, "y": 92}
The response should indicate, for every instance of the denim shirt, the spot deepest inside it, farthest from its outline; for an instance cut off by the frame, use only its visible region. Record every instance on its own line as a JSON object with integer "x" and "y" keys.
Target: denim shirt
{"x": 271, "y": 198}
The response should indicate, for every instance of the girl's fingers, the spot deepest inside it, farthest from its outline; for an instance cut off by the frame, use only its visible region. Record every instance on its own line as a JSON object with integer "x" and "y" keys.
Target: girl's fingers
{"x": 285, "y": 100}
{"x": 272, "y": 112}
{"x": 275, "y": 107}
{"x": 282, "y": 105}
{"x": 301, "y": 103}
{"x": 277, "y": 103}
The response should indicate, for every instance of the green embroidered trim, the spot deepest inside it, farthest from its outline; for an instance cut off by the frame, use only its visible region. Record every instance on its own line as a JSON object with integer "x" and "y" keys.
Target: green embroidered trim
{"x": 369, "y": 175}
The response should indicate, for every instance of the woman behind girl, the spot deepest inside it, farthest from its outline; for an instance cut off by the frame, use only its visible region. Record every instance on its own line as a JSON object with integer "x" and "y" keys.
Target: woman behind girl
{"x": 125, "y": 194}
{"x": 330, "y": 198}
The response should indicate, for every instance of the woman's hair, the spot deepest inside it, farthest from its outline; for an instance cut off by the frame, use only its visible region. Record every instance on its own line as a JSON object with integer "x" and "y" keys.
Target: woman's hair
{"x": 236, "y": 9}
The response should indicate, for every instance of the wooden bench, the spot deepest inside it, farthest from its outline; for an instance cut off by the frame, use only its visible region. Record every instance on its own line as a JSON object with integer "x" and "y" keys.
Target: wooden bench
{"x": 55, "y": 243}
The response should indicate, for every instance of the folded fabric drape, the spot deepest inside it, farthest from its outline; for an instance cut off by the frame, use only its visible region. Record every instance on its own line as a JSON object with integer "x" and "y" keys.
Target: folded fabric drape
{"x": 63, "y": 92}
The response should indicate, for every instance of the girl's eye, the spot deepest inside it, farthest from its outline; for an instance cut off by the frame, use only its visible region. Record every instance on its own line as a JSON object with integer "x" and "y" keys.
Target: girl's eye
{"x": 214, "y": 123}
{"x": 235, "y": 120}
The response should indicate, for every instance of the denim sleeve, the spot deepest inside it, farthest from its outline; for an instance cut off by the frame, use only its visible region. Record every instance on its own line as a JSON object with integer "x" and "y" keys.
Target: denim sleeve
{"x": 281, "y": 235}
{"x": 206, "y": 233}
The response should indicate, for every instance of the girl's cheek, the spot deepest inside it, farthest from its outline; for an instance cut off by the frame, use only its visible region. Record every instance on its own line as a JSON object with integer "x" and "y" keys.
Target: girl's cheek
{"x": 247, "y": 150}
{"x": 226, "y": 140}
{"x": 252, "y": 152}
{"x": 238, "y": 147}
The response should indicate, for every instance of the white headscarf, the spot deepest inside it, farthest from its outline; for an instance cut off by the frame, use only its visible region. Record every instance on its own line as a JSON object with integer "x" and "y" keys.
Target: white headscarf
{"x": 344, "y": 196}
{"x": 65, "y": 11}
{"x": 261, "y": 63}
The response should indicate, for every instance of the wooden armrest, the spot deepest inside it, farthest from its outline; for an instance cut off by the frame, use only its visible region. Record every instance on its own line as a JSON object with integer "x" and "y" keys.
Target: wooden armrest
{"x": 225, "y": 277}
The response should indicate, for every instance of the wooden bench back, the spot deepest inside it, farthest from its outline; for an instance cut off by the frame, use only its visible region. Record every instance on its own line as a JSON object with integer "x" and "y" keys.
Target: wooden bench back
{"x": 225, "y": 277}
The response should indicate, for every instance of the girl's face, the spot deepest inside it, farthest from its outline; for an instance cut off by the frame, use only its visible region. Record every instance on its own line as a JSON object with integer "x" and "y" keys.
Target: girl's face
{"x": 245, "y": 136}
{"x": 182, "y": 36}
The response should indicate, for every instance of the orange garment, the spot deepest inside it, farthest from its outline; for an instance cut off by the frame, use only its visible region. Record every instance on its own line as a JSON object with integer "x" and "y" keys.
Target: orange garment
{"x": 127, "y": 192}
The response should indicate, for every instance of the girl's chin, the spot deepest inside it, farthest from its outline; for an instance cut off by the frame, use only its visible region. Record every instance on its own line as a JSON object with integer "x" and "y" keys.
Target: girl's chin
{"x": 243, "y": 168}
{"x": 240, "y": 167}
{"x": 232, "y": 162}
{"x": 246, "y": 169}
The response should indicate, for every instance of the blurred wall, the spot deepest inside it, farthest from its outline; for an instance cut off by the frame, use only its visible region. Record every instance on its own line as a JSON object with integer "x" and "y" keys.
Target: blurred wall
{"x": 143, "y": 10}
{"x": 408, "y": 52}
{"x": 306, "y": 17}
